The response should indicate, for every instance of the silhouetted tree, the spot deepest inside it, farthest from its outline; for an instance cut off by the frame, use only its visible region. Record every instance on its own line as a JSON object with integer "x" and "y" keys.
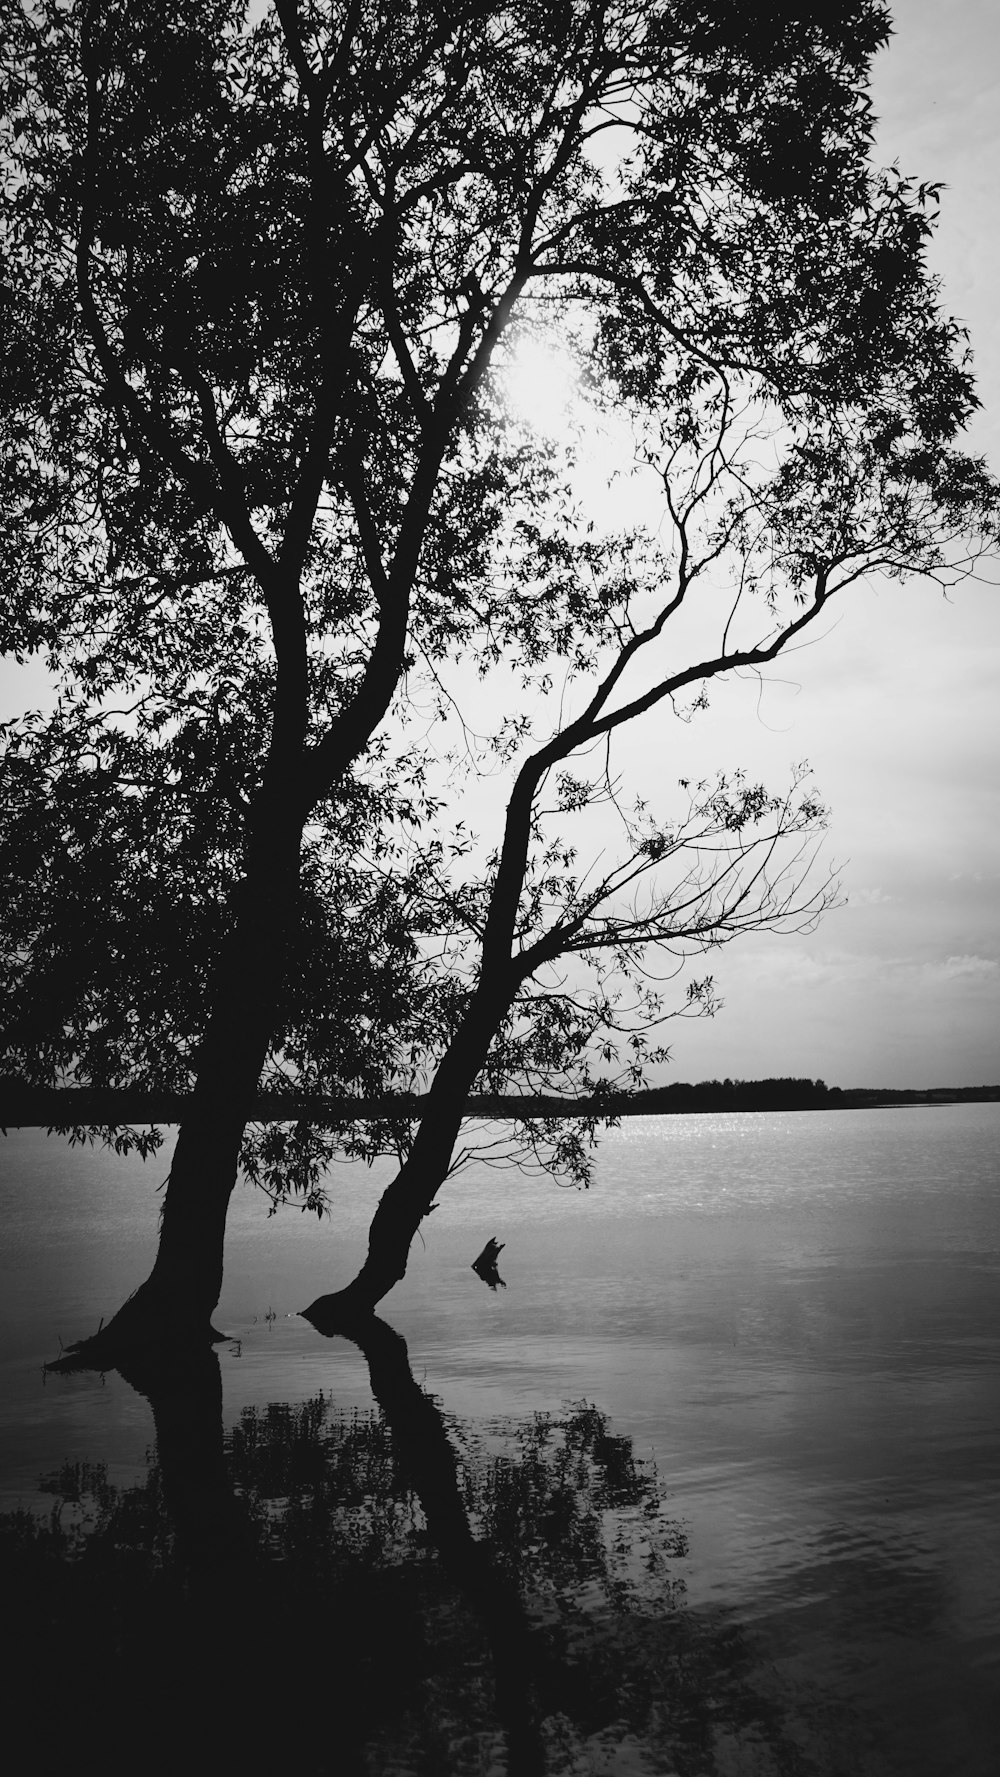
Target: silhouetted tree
{"x": 264, "y": 270}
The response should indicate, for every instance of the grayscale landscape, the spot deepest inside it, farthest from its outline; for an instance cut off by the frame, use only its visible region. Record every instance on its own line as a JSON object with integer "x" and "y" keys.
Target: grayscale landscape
{"x": 499, "y": 957}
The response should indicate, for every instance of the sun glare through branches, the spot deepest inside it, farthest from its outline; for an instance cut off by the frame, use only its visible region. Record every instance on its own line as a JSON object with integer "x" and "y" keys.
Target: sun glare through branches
{"x": 542, "y": 386}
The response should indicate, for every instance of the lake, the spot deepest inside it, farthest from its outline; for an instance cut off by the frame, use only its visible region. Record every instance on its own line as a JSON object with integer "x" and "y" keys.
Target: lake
{"x": 762, "y": 1350}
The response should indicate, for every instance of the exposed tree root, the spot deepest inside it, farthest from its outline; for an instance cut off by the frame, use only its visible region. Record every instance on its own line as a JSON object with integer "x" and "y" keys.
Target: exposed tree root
{"x": 346, "y": 1311}
{"x": 147, "y": 1328}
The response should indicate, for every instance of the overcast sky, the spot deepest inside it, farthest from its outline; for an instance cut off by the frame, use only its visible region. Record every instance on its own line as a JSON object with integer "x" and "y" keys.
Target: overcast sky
{"x": 897, "y": 708}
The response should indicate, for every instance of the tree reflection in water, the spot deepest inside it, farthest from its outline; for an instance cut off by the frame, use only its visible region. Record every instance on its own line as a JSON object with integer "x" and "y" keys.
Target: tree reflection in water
{"x": 371, "y": 1592}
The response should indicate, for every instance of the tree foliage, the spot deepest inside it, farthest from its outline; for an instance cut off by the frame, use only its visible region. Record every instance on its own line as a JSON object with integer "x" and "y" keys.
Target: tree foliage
{"x": 265, "y": 272}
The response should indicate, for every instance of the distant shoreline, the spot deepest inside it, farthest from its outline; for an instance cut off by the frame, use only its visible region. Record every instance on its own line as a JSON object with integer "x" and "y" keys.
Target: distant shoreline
{"x": 81, "y": 1107}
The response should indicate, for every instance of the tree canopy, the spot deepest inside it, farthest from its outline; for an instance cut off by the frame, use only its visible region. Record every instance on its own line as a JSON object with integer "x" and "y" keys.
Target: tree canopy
{"x": 265, "y": 274}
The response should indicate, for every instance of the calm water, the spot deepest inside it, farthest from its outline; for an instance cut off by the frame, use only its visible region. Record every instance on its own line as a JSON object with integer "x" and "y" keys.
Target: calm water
{"x": 794, "y": 1319}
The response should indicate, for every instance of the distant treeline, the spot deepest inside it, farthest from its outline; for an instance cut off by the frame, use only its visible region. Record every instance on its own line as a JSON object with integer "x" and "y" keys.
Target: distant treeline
{"x": 682, "y": 1098}
{"x": 67, "y": 1107}
{"x": 789, "y": 1095}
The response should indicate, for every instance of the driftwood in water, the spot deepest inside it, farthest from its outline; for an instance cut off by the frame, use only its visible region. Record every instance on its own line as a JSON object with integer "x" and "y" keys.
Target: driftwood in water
{"x": 486, "y": 1264}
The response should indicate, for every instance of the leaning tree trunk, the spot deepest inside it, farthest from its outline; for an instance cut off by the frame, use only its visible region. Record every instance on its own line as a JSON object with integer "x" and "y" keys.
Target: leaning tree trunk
{"x": 179, "y": 1298}
{"x": 410, "y": 1197}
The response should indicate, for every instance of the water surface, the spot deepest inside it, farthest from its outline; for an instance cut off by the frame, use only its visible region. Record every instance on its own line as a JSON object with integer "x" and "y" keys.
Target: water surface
{"x": 793, "y": 1317}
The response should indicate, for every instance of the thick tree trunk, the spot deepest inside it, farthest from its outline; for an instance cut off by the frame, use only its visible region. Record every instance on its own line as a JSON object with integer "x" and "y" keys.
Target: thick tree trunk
{"x": 179, "y": 1298}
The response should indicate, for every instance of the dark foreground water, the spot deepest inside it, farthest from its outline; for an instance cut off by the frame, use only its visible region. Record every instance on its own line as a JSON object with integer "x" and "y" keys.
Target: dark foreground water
{"x": 709, "y": 1487}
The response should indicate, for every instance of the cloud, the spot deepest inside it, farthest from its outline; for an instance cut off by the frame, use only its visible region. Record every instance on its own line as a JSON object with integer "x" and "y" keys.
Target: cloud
{"x": 781, "y": 967}
{"x": 873, "y": 897}
{"x": 963, "y": 968}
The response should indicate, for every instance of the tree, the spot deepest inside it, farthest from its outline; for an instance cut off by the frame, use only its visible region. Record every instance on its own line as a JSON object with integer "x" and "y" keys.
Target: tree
{"x": 263, "y": 275}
